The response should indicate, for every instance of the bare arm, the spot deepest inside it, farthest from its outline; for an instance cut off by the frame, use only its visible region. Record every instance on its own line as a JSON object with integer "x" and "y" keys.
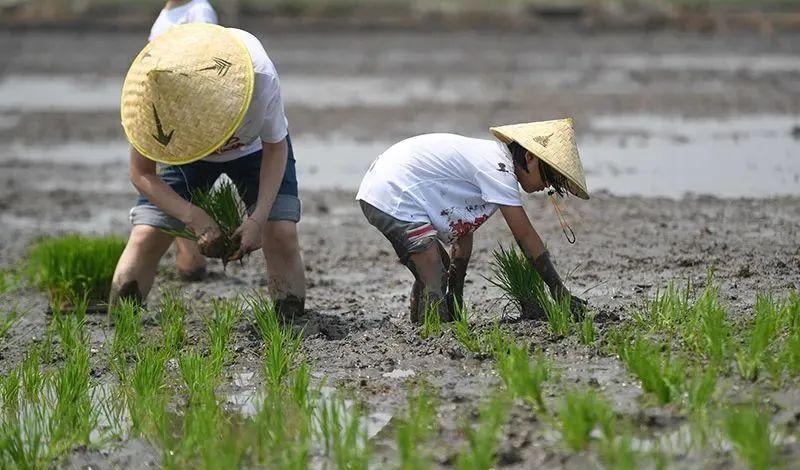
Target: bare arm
{"x": 273, "y": 164}
{"x": 150, "y": 185}
{"x": 459, "y": 260}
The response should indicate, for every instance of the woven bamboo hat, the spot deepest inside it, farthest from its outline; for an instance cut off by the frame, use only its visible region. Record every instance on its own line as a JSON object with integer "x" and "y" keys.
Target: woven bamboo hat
{"x": 553, "y": 142}
{"x": 186, "y": 93}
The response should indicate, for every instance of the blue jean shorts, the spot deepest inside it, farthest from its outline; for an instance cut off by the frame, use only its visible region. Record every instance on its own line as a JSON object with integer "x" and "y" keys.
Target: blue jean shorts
{"x": 245, "y": 174}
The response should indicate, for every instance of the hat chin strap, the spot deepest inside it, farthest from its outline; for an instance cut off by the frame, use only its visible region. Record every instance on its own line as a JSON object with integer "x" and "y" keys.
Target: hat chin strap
{"x": 568, "y": 232}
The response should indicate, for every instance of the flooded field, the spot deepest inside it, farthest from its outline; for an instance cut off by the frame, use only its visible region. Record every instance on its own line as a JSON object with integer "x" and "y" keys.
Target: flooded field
{"x": 692, "y": 150}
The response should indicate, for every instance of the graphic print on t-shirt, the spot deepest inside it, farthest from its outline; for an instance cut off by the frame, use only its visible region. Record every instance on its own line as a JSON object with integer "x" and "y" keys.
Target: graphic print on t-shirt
{"x": 467, "y": 219}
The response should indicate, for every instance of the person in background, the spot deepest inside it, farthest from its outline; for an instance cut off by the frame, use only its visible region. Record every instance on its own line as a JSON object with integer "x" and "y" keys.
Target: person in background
{"x": 177, "y": 12}
{"x": 437, "y": 189}
{"x": 190, "y": 263}
{"x": 198, "y": 102}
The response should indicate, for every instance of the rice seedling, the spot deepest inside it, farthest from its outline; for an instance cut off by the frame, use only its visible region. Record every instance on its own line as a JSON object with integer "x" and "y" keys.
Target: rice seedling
{"x": 708, "y": 331}
{"x": 616, "y": 444}
{"x": 9, "y": 281}
{"x": 147, "y": 394}
{"x": 171, "y": 318}
{"x": 219, "y": 326}
{"x": 198, "y": 374}
{"x": 579, "y": 414}
{"x": 281, "y": 342}
{"x": 751, "y": 358}
{"x": 202, "y": 424}
{"x": 33, "y": 379}
{"x": 558, "y": 313}
{"x": 522, "y": 377}
{"x": 515, "y": 276}
{"x": 700, "y": 391}
{"x": 481, "y": 450}
{"x": 8, "y": 321}
{"x": 344, "y": 433}
{"x": 71, "y": 328}
{"x": 748, "y": 429}
{"x": 661, "y": 375}
{"x": 24, "y": 439}
{"x": 74, "y": 416}
{"x": 222, "y": 204}
{"x": 74, "y": 266}
{"x": 282, "y": 431}
{"x": 10, "y": 391}
{"x": 431, "y": 322}
{"x": 462, "y": 330}
{"x": 127, "y": 318}
{"x": 668, "y": 311}
{"x": 414, "y": 429}
{"x": 588, "y": 330}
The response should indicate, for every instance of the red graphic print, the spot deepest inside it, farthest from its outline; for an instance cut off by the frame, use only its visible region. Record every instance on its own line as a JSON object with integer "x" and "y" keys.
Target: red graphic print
{"x": 460, "y": 228}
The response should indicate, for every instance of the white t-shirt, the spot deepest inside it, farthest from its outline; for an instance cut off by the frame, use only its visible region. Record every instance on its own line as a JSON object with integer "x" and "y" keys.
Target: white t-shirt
{"x": 196, "y": 11}
{"x": 454, "y": 182}
{"x": 265, "y": 119}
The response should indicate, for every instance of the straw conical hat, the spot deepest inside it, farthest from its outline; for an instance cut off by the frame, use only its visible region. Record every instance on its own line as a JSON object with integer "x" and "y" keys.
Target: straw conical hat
{"x": 553, "y": 142}
{"x": 186, "y": 93}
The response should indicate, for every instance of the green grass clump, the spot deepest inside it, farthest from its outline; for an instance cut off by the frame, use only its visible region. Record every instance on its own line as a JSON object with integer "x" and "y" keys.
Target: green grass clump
{"x": 431, "y": 322}
{"x": 580, "y": 413}
{"x": 748, "y": 429}
{"x": 482, "y": 441}
{"x": 587, "y": 332}
{"x": 74, "y": 267}
{"x": 415, "y": 428}
{"x": 515, "y": 276}
{"x": 766, "y": 326}
{"x": 463, "y": 331}
{"x": 172, "y": 314}
{"x": 523, "y": 377}
{"x": 219, "y": 326}
{"x": 281, "y": 342}
{"x": 344, "y": 433}
{"x": 660, "y": 374}
{"x": 222, "y": 204}
{"x": 558, "y": 313}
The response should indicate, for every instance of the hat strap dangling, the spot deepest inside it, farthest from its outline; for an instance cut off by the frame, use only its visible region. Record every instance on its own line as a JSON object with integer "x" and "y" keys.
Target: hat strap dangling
{"x": 568, "y": 232}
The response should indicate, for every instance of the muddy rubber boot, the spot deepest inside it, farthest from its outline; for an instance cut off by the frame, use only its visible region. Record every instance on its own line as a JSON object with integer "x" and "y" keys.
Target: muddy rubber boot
{"x": 290, "y": 307}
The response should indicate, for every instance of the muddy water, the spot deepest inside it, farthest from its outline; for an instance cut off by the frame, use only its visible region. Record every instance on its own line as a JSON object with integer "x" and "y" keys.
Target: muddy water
{"x": 657, "y": 115}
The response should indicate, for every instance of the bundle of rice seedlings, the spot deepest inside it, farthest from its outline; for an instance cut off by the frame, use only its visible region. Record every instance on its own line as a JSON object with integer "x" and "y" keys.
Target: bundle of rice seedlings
{"x": 522, "y": 286}
{"x": 74, "y": 267}
{"x": 222, "y": 204}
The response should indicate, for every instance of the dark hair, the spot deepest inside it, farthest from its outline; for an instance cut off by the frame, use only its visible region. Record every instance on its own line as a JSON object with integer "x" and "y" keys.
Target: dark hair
{"x": 518, "y": 153}
{"x": 558, "y": 182}
{"x": 552, "y": 178}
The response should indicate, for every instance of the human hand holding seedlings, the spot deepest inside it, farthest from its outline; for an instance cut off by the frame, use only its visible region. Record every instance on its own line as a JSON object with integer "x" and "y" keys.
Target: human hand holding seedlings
{"x": 533, "y": 247}
{"x": 247, "y": 237}
{"x": 209, "y": 236}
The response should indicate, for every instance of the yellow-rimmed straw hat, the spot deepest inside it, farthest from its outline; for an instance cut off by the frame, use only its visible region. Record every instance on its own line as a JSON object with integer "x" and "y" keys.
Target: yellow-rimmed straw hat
{"x": 553, "y": 142}
{"x": 186, "y": 93}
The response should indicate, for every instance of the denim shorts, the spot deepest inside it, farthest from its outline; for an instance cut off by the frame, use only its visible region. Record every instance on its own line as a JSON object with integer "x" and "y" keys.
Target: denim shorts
{"x": 245, "y": 174}
{"x": 406, "y": 238}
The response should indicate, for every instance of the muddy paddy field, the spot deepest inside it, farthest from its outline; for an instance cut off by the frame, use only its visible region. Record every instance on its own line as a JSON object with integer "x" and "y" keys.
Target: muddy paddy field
{"x": 692, "y": 150}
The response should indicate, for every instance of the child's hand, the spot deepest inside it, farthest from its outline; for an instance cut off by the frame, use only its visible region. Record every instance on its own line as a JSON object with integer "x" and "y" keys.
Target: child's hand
{"x": 248, "y": 237}
{"x": 207, "y": 231}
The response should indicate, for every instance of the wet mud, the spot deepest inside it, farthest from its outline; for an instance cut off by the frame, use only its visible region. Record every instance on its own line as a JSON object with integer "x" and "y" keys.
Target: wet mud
{"x": 63, "y": 169}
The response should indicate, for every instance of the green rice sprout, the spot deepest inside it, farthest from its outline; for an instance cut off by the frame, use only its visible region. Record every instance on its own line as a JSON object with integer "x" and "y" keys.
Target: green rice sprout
{"x": 172, "y": 314}
{"x": 219, "y": 326}
{"x": 748, "y": 429}
{"x": 462, "y": 330}
{"x": 588, "y": 330}
{"x": 223, "y": 205}
{"x": 431, "y": 322}
{"x": 482, "y": 441}
{"x": 147, "y": 394}
{"x": 8, "y": 321}
{"x": 281, "y": 342}
{"x": 580, "y": 413}
{"x": 616, "y": 444}
{"x": 74, "y": 266}
{"x": 74, "y": 416}
{"x": 660, "y": 374}
{"x": 558, "y": 313}
{"x": 198, "y": 375}
{"x": 524, "y": 378}
{"x": 515, "y": 276}
{"x": 790, "y": 354}
{"x": 344, "y": 433}
{"x": 766, "y": 325}
{"x": 415, "y": 428}
{"x": 127, "y": 318}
